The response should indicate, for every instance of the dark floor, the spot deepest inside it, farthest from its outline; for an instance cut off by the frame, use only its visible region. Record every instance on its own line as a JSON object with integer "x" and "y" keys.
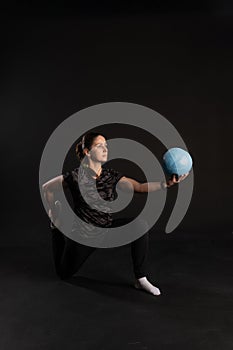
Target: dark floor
{"x": 99, "y": 308}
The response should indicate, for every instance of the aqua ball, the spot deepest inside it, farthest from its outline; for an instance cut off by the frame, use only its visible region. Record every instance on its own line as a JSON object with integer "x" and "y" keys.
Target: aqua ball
{"x": 177, "y": 161}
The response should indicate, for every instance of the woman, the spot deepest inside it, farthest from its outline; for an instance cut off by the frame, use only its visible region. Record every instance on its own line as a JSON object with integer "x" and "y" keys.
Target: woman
{"x": 69, "y": 255}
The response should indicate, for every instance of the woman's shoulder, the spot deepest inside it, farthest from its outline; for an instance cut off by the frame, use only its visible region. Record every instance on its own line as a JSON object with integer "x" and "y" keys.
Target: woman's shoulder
{"x": 113, "y": 173}
{"x": 72, "y": 173}
{"x": 108, "y": 170}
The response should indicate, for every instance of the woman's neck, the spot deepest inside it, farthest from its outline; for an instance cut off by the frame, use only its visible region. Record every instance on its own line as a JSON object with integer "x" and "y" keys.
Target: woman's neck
{"x": 96, "y": 167}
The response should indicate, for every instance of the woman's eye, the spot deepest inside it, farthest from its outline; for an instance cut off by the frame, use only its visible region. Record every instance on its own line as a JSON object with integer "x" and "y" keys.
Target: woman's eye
{"x": 101, "y": 145}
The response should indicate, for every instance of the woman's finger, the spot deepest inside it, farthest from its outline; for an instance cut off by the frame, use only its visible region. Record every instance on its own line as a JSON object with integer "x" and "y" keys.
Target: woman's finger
{"x": 182, "y": 177}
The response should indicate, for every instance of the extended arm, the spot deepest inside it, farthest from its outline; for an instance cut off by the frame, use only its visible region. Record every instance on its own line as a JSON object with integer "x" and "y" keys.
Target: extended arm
{"x": 128, "y": 184}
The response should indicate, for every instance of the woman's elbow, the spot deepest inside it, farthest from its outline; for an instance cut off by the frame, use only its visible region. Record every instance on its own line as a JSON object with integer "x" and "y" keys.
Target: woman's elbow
{"x": 44, "y": 187}
{"x": 54, "y": 184}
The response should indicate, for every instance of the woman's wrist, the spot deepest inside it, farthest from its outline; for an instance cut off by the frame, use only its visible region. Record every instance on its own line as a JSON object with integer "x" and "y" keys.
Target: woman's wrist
{"x": 166, "y": 184}
{"x": 163, "y": 185}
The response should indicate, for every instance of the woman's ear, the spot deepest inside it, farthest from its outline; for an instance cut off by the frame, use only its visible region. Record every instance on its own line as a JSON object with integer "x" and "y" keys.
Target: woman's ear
{"x": 86, "y": 152}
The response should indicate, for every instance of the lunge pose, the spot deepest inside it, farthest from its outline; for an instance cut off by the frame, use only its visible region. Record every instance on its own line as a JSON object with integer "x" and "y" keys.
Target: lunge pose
{"x": 69, "y": 255}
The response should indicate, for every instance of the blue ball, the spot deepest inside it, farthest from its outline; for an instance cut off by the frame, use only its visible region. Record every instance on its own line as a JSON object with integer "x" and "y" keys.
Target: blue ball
{"x": 177, "y": 161}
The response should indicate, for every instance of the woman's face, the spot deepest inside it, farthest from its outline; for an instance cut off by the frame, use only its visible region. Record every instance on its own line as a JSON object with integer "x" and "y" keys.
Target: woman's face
{"x": 99, "y": 149}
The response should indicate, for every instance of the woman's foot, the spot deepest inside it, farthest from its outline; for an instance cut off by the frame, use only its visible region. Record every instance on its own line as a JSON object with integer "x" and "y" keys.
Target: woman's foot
{"x": 143, "y": 283}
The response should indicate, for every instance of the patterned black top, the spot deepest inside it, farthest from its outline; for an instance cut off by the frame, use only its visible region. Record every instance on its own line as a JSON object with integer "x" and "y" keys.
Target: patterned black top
{"x": 91, "y": 196}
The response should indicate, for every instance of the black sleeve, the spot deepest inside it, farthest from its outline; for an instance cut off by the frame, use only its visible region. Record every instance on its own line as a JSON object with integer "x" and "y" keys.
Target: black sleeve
{"x": 117, "y": 175}
{"x": 69, "y": 179}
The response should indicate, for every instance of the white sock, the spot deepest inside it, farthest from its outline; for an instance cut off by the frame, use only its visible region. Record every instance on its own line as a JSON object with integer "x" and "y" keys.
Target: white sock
{"x": 143, "y": 283}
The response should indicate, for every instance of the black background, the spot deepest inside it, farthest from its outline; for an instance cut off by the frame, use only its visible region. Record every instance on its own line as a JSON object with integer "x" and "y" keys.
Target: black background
{"x": 60, "y": 58}
{"x": 173, "y": 57}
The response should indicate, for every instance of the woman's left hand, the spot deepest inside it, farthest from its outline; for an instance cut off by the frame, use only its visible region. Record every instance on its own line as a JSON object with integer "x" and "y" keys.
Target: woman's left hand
{"x": 175, "y": 180}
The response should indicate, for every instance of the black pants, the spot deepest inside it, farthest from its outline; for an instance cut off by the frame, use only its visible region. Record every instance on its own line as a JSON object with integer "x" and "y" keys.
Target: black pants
{"x": 69, "y": 255}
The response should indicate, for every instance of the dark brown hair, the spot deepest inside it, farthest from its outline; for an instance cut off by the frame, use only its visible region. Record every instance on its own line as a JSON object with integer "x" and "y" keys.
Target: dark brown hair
{"x": 86, "y": 142}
